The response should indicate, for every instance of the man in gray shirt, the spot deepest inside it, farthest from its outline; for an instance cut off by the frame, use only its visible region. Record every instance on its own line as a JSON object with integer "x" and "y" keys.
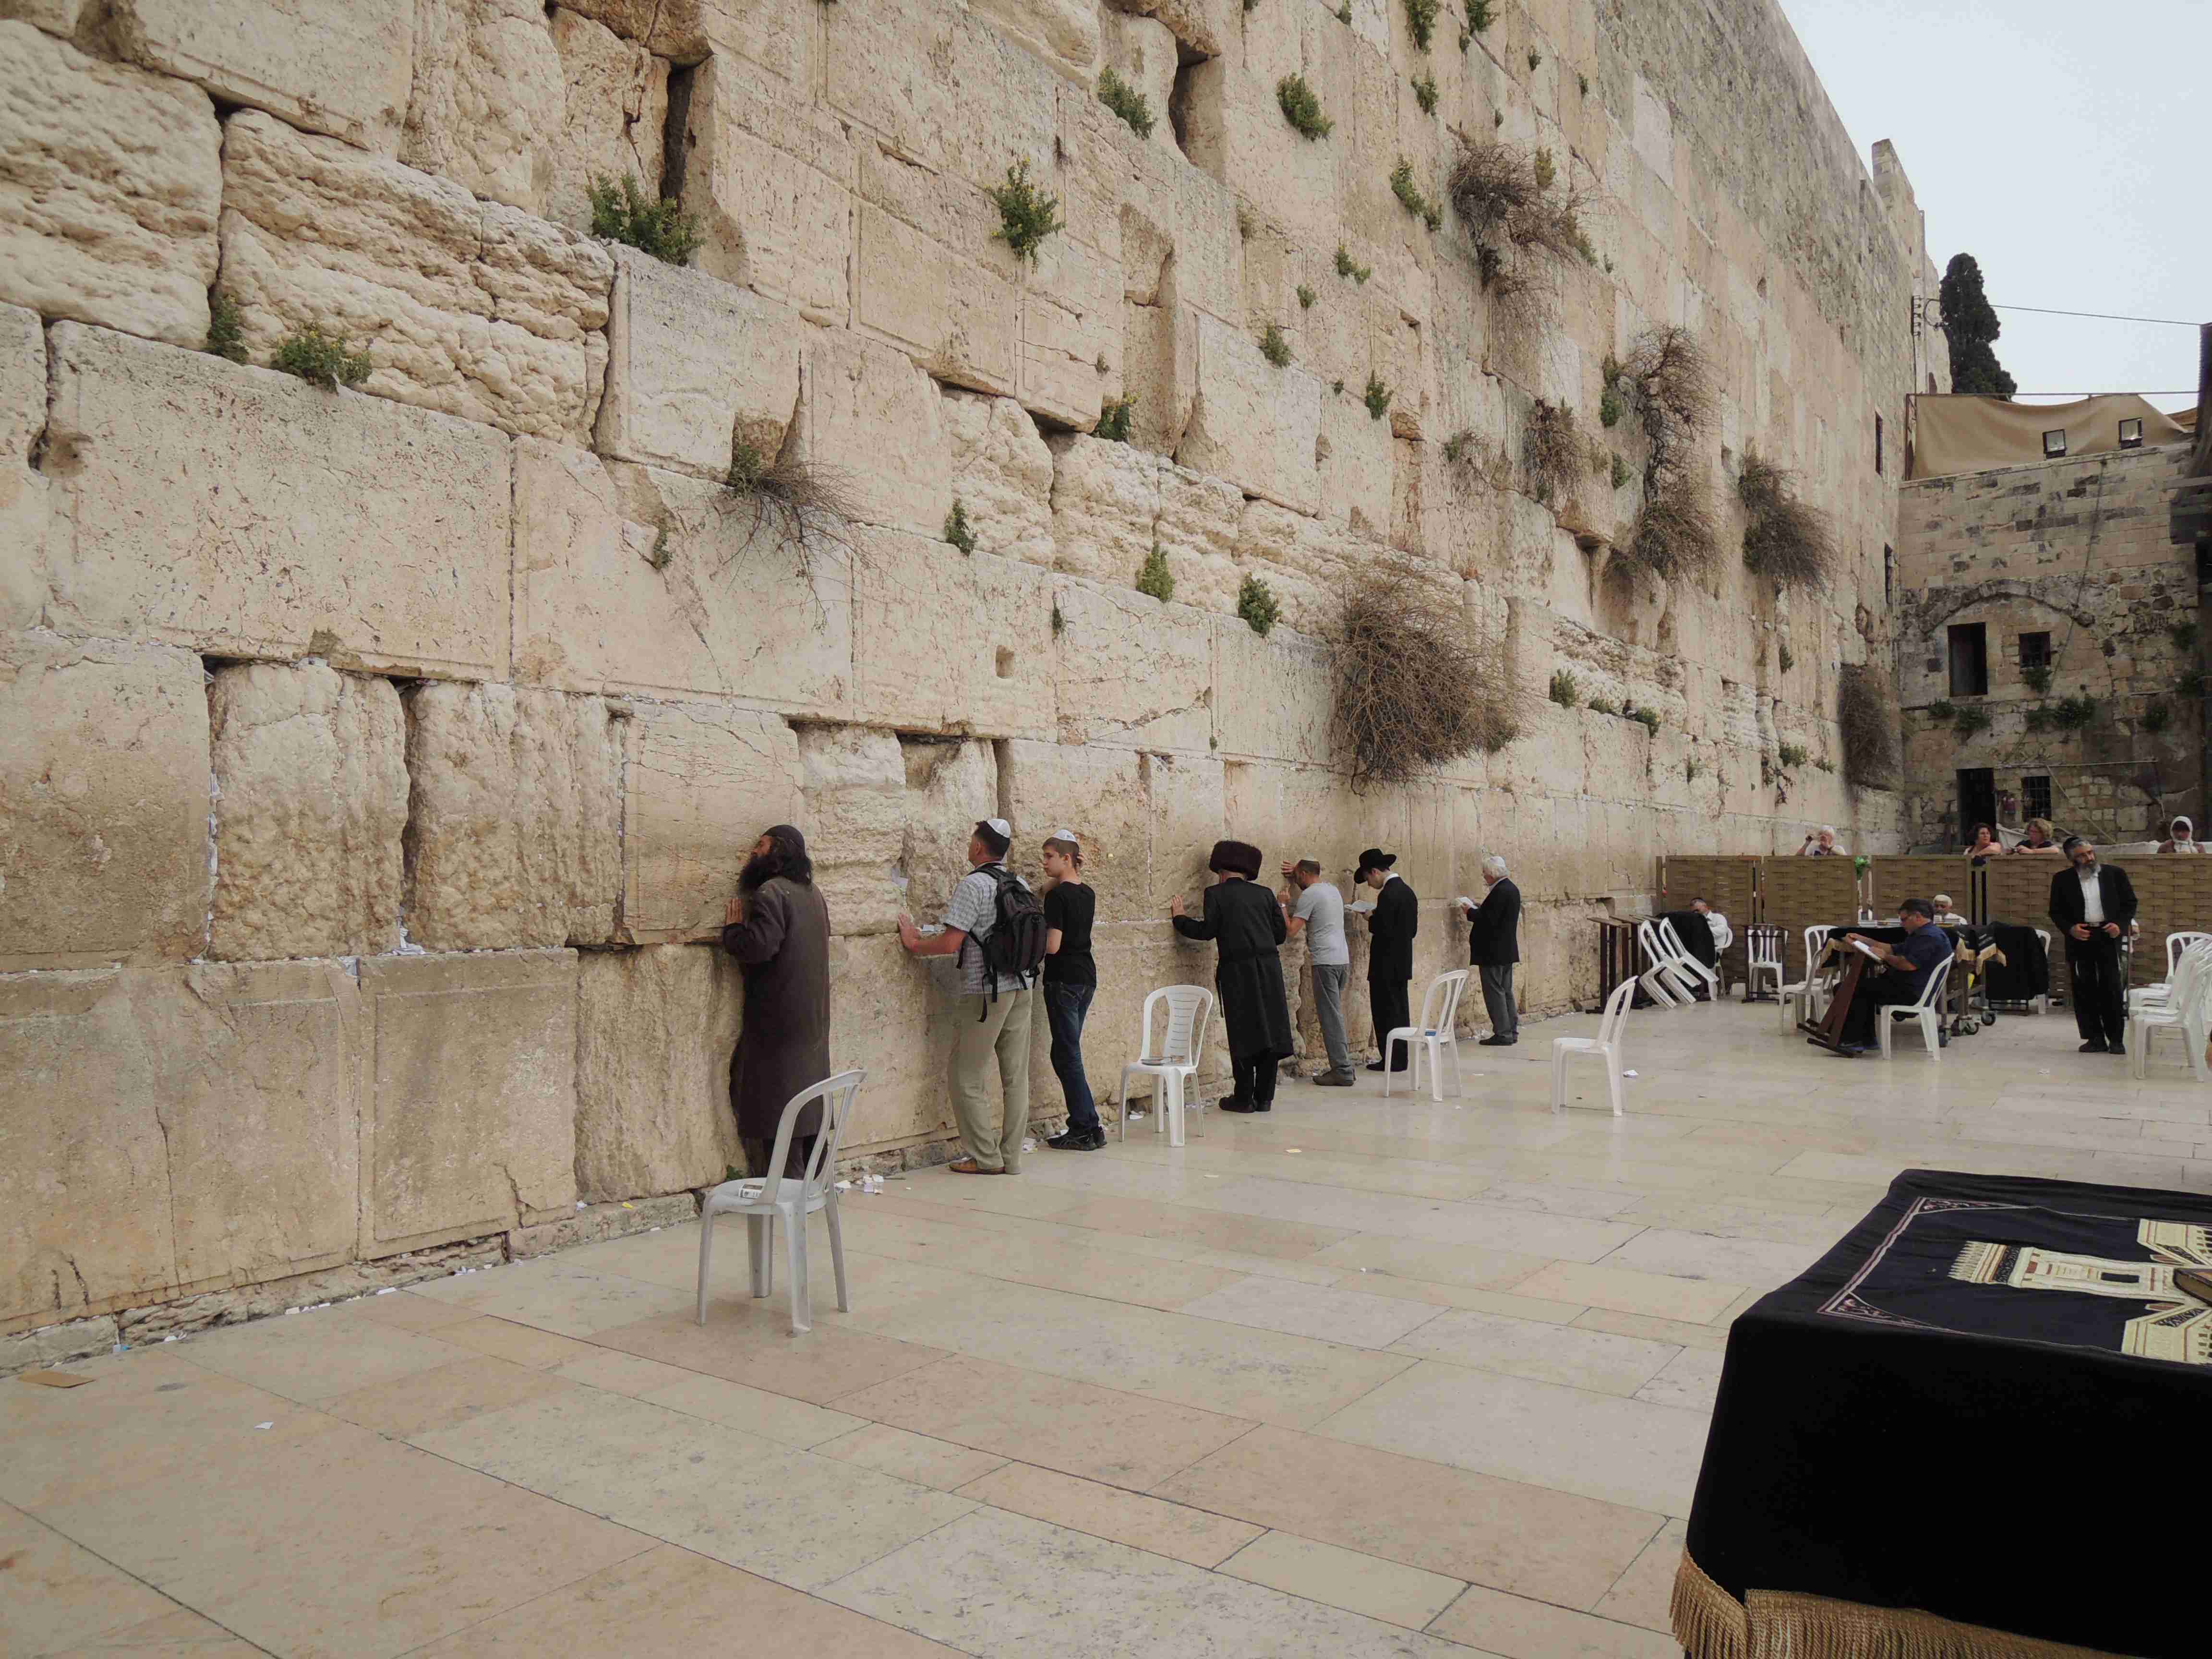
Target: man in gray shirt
{"x": 1316, "y": 909}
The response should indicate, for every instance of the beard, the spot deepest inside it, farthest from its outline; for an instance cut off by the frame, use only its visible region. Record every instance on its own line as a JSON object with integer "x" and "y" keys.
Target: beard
{"x": 760, "y": 867}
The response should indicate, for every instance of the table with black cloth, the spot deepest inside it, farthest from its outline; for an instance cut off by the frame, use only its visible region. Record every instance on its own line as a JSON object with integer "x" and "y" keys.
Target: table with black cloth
{"x": 2025, "y": 973}
{"x": 1924, "y": 1443}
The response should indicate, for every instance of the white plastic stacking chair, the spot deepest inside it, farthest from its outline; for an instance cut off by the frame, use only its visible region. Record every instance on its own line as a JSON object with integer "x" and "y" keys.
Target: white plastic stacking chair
{"x": 1686, "y": 962}
{"x": 1926, "y": 1009}
{"x": 1173, "y": 1065}
{"x": 2177, "y": 946}
{"x": 791, "y": 1199}
{"x": 2184, "y": 1010}
{"x": 1799, "y": 996}
{"x": 2043, "y": 1002}
{"x": 1436, "y": 1033}
{"x": 1762, "y": 948}
{"x": 1661, "y": 978}
{"x": 1606, "y": 1045}
{"x": 2178, "y": 942}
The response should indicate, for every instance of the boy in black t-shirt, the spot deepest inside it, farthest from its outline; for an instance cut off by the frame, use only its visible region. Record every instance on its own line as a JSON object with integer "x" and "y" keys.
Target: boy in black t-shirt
{"x": 1071, "y": 980}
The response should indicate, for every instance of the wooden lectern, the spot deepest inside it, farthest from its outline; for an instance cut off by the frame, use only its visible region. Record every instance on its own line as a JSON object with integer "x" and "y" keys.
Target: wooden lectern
{"x": 1828, "y": 1031}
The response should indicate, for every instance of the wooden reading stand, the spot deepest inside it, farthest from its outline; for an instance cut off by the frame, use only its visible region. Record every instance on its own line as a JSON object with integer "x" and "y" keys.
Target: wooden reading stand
{"x": 1828, "y": 1031}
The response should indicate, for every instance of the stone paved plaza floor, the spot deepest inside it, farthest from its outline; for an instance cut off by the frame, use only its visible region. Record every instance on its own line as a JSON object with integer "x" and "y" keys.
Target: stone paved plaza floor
{"x": 1358, "y": 1378}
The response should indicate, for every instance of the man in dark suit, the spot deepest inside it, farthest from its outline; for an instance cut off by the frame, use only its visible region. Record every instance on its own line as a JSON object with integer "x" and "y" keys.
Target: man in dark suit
{"x": 2093, "y": 905}
{"x": 1493, "y": 944}
{"x": 1390, "y": 929}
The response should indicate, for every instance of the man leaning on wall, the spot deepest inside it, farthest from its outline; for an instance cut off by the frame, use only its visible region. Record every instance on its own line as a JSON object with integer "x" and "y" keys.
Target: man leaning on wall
{"x": 1314, "y": 907}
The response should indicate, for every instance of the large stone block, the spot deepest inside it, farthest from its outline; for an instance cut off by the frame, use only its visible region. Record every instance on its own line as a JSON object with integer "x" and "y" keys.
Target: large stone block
{"x": 1274, "y": 695}
{"x": 853, "y": 779}
{"x": 23, "y": 514}
{"x": 488, "y": 98}
{"x": 1105, "y": 507}
{"x": 950, "y": 786}
{"x": 1064, "y": 33}
{"x": 103, "y": 802}
{"x": 632, "y": 579}
{"x": 703, "y": 781}
{"x": 1002, "y": 475}
{"x": 654, "y": 1032}
{"x": 110, "y": 180}
{"x": 614, "y": 117}
{"x": 1133, "y": 672}
{"x": 311, "y": 800}
{"x": 674, "y": 29}
{"x": 1071, "y": 325}
{"x": 515, "y": 832}
{"x": 335, "y": 66}
{"x": 247, "y": 513}
{"x": 1252, "y": 424}
{"x": 470, "y": 307}
{"x": 471, "y": 1122}
{"x": 891, "y": 1016}
{"x": 927, "y": 274}
{"x": 696, "y": 367}
{"x": 912, "y": 70}
{"x": 874, "y": 424}
{"x": 948, "y": 642}
{"x": 1105, "y": 796}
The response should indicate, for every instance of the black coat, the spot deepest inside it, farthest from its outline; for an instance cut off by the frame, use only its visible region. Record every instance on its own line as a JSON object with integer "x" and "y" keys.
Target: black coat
{"x": 1390, "y": 929}
{"x": 1493, "y": 935}
{"x": 783, "y": 1047}
{"x": 1246, "y": 925}
{"x": 2118, "y": 891}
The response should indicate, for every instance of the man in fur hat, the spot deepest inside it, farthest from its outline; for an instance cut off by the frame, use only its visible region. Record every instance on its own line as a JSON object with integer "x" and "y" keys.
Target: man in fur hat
{"x": 1246, "y": 925}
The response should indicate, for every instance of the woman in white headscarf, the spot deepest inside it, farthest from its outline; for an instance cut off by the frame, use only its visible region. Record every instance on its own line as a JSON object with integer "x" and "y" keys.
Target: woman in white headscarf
{"x": 2180, "y": 837}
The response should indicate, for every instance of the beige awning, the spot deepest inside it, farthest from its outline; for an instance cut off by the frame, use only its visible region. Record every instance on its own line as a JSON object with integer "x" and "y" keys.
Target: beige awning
{"x": 1962, "y": 434}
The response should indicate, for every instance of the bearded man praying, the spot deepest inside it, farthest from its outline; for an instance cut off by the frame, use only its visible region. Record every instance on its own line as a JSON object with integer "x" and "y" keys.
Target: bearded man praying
{"x": 778, "y": 928}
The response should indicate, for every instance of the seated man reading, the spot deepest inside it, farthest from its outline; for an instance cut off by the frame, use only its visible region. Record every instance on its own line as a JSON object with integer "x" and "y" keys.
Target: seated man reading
{"x": 1905, "y": 969}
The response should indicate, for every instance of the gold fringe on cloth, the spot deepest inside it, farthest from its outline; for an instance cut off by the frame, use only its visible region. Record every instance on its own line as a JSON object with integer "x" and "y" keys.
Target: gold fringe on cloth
{"x": 1711, "y": 1624}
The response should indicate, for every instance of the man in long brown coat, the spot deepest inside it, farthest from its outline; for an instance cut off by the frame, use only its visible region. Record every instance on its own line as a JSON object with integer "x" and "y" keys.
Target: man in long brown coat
{"x": 778, "y": 928}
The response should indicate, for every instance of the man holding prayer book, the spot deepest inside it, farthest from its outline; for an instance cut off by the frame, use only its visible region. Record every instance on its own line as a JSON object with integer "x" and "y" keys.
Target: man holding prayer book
{"x": 1906, "y": 966}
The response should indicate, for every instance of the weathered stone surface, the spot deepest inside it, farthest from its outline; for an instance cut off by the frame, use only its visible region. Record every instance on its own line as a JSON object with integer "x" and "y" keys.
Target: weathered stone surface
{"x": 674, "y": 29}
{"x": 693, "y": 368}
{"x": 1272, "y": 697}
{"x": 471, "y": 1125}
{"x": 1070, "y": 323}
{"x": 1105, "y": 507}
{"x": 470, "y": 307}
{"x": 631, "y": 579}
{"x": 514, "y": 830}
{"x": 947, "y": 642}
{"x": 1002, "y": 474}
{"x": 892, "y": 1015}
{"x": 1133, "y": 672}
{"x": 311, "y": 797}
{"x": 335, "y": 66}
{"x": 58, "y": 17}
{"x": 247, "y": 513}
{"x": 1104, "y": 795}
{"x": 853, "y": 783}
{"x": 1252, "y": 424}
{"x": 1064, "y": 33}
{"x": 703, "y": 781}
{"x": 910, "y": 71}
{"x": 654, "y": 1032}
{"x": 927, "y": 273}
{"x": 23, "y": 514}
{"x": 1142, "y": 51}
{"x": 874, "y": 425}
{"x": 110, "y": 180}
{"x": 950, "y": 786}
{"x": 103, "y": 802}
{"x": 614, "y": 117}
{"x": 770, "y": 181}
{"x": 486, "y": 99}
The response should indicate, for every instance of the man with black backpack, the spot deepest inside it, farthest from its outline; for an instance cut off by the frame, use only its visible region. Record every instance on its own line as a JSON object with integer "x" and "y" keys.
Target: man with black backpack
{"x": 994, "y": 927}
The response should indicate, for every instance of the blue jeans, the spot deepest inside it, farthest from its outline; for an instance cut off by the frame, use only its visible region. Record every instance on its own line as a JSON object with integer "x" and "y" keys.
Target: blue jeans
{"x": 1065, "y": 1006}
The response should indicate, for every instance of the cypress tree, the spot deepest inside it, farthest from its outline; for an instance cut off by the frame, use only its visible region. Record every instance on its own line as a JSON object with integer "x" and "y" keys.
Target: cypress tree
{"x": 1972, "y": 325}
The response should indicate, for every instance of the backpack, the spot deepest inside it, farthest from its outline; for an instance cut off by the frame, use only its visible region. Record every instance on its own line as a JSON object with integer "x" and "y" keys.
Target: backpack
{"x": 1014, "y": 948}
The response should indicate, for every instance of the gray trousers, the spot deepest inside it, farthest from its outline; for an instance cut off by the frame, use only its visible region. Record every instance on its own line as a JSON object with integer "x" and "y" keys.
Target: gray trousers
{"x": 1329, "y": 978}
{"x": 1497, "y": 999}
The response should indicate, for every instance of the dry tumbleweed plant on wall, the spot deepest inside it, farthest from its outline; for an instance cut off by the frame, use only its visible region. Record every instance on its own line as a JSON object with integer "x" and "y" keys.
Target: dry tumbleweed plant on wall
{"x": 1784, "y": 539}
{"x": 1416, "y": 685}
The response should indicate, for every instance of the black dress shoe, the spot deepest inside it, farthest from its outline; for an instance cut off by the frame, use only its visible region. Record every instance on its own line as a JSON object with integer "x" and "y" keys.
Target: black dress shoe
{"x": 1497, "y": 1041}
{"x": 1239, "y": 1104}
{"x": 1075, "y": 1140}
{"x": 2091, "y": 1049}
{"x": 2117, "y": 1049}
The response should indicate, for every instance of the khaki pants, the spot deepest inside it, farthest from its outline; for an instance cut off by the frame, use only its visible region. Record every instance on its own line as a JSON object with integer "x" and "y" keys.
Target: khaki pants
{"x": 993, "y": 1136}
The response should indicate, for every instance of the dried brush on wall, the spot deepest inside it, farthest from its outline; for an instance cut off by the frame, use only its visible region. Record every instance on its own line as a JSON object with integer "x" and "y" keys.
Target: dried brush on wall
{"x": 1670, "y": 380}
{"x": 1868, "y": 726}
{"x": 1416, "y": 685}
{"x": 1785, "y": 539}
{"x": 1674, "y": 535}
{"x": 1503, "y": 194}
{"x": 796, "y": 505}
{"x": 1551, "y": 451}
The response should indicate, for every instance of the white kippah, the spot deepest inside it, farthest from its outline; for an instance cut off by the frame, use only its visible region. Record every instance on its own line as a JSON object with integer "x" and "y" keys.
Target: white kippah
{"x": 1065, "y": 835}
{"x": 1000, "y": 827}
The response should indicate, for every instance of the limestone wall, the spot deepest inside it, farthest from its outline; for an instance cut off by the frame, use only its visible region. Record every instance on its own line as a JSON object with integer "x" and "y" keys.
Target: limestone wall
{"x": 367, "y": 757}
{"x": 2077, "y": 549}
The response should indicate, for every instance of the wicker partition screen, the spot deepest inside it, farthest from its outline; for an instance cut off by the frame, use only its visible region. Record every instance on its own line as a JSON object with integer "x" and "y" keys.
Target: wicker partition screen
{"x": 1896, "y": 878}
{"x": 1796, "y": 893}
{"x": 1729, "y": 884}
{"x": 2176, "y": 897}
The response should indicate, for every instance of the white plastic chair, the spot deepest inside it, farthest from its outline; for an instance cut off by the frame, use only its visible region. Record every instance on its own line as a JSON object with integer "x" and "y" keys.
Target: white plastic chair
{"x": 2178, "y": 942}
{"x": 1661, "y": 978}
{"x": 1762, "y": 950}
{"x": 761, "y": 1201}
{"x": 1436, "y": 1033}
{"x": 1685, "y": 961}
{"x": 1605, "y": 1044}
{"x": 1805, "y": 999}
{"x": 1174, "y": 1065}
{"x": 2178, "y": 947}
{"x": 1927, "y": 1009}
{"x": 2184, "y": 1010}
{"x": 2043, "y": 1002}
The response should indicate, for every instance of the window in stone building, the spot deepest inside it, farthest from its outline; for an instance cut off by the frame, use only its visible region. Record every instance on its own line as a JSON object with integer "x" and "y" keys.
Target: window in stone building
{"x": 1877, "y": 443}
{"x": 2035, "y": 650}
{"x": 2035, "y": 796}
{"x": 1889, "y": 573}
{"x": 1970, "y": 660}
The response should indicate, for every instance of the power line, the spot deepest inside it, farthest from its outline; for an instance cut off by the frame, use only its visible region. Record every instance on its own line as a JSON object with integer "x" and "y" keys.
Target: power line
{"x": 2101, "y": 316}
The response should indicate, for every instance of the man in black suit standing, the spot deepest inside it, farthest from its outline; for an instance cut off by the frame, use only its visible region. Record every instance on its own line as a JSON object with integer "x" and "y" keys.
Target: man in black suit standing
{"x": 1390, "y": 929}
{"x": 2093, "y": 905}
{"x": 1493, "y": 944}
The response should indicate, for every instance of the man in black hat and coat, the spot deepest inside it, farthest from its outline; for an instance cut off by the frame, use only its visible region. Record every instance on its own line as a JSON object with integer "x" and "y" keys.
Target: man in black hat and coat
{"x": 1390, "y": 929}
{"x": 1246, "y": 925}
{"x": 778, "y": 928}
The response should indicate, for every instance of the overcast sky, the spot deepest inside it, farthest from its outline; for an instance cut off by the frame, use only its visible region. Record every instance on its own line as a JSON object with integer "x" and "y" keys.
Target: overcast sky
{"x": 2064, "y": 146}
